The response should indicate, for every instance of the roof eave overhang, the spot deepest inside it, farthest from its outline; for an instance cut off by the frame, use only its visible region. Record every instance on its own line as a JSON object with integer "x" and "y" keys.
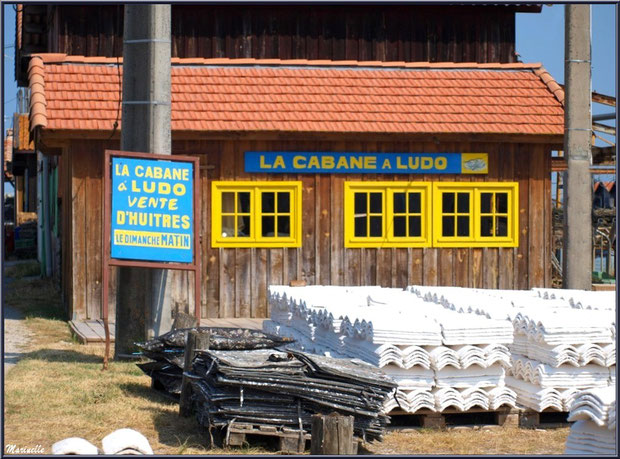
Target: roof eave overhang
{"x": 54, "y": 137}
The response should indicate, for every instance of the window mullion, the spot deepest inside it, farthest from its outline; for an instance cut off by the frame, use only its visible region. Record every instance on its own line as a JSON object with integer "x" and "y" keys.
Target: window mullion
{"x": 256, "y": 211}
{"x": 494, "y": 209}
{"x": 476, "y": 214}
{"x": 367, "y": 194}
{"x": 385, "y": 223}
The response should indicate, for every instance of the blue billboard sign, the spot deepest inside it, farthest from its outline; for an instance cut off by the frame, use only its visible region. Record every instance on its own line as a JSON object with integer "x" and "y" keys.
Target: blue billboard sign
{"x": 365, "y": 163}
{"x": 152, "y": 210}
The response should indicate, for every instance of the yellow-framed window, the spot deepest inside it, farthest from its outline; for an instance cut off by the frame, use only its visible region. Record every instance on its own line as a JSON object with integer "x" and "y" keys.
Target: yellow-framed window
{"x": 255, "y": 214}
{"x": 387, "y": 214}
{"x": 475, "y": 214}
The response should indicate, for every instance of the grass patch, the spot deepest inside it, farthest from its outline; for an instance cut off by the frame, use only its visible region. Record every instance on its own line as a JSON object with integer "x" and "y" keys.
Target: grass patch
{"x": 30, "y": 268}
{"x": 501, "y": 440}
{"x": 58, "y": 390}
{"x": 35, "y": 298}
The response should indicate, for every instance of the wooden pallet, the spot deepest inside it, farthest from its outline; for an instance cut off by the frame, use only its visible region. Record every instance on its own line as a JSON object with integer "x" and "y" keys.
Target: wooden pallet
{"x": 548, "y": 418}
{"x": 453, "y": 417}
{"x": 289, "y": 440}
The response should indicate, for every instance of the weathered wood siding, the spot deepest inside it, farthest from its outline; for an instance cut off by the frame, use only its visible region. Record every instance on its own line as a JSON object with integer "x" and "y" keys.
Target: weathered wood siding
{"x": 235, "y": 280}
{"x": 358, "y": 32}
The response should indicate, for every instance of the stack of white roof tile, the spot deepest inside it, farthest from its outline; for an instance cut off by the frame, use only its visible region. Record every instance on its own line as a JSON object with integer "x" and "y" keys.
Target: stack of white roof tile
{"x": 411, "y": 401}
{"x": 580, "y": 299}
{"x": 474, "y": 376}
{"x": 567, "y": 348}
{"x": 588, "y": 438}
{"x": 594, "y": 431}
{"x": 536, "y": 397}
{"x": 411, "y": 379}
{"x": 457, "y": 328}
{"x": 594, "y": 405}
{"x": 570, "y": 326}
{"x": 564, "y": 376}
{"x": 410, "y": 339}
{"x": 578, "y": 355}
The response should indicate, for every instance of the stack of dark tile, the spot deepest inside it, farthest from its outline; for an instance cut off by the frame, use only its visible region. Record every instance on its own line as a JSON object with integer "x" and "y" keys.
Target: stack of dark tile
{"x": 168, "y": 352}
{"x": 283, "y": 389}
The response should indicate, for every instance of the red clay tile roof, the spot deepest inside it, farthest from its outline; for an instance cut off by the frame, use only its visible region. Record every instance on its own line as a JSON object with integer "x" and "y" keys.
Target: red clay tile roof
{"x": 79, "y": 93}
{"x": 609, "y": 186}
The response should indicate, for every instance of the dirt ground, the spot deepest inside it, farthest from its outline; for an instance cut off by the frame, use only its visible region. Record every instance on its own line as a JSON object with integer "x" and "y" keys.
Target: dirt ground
{"x": 16, "y": 335}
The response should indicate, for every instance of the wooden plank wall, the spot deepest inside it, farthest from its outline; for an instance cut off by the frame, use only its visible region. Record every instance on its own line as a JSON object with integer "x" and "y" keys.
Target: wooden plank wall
{"x": 235, "y": 280}
{"x": 358, "y": 32}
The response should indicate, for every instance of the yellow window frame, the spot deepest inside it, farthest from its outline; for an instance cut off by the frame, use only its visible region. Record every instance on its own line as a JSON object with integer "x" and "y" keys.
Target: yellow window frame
{"x": 387, "y": 190}
{"x": 256, "y": 189}
{"x": 475, "y": 239}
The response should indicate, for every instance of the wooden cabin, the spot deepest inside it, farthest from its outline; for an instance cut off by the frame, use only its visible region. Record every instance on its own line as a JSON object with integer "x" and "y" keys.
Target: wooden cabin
{"x": 382, "y": 82}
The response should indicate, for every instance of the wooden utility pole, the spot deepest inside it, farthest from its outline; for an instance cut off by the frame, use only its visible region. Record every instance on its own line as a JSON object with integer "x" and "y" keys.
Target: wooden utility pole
{"x": 577, "y": 269}
{"x": 196, "y": 340}
{"x": 332, "y": 434}
{"x": 142, "y": 307}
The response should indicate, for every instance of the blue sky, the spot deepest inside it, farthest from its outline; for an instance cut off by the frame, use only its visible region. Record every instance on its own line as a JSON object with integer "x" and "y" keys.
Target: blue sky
{"x": 539, "y": 38}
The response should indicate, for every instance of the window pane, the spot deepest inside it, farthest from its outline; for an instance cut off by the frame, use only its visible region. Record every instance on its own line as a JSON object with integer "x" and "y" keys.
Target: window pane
{"x": 376, "y": 204}
{"x": 501, "y": 228}
{"x": 415, "y": 206}
{"x": 486, "y": 226}
{"x": 447, "y": 202}
{"x": 462, "y": 226}
{"x": 376, "y": 229}
{"x": 284, "y": 226}
{"x": 268, "y": 202}
{"x": 501, "y": 204}
{"x": 463, "y": 202}
{"x": 268, "y": 223}
{"x": 360, "y": 226}
{"x": 400, "y": 226}
{"x": 228, "y": 202}
{"x": 399, "y": 203}
{"x": 360, "y": 203}
{"x": 485, "y": 203}
{"x": 243, "y": 229}
{"x": 244, "y": 202}
{"x": 447, "y": 226}
{"x": 228, "y": 226}
{"x": 284, "y": 202}
{"x": 415, "y": 226}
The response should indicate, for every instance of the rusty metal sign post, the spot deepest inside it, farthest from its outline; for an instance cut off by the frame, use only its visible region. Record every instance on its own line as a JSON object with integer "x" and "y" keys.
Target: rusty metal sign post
{"x": 151, "y": 227}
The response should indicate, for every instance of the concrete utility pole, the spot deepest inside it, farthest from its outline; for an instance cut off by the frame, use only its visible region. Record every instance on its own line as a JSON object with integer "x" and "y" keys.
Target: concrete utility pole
{"x": 577, "y": 269}
{"x": 142, "y": 309}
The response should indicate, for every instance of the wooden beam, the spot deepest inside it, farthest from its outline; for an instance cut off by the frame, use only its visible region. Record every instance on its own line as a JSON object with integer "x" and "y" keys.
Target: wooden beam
{"x": 556, "y": 142}
{"x": 599, "y": 98}
{"x": 558, "y": 164}
{"x": 604, "y": 128}
{"x": 611, "y": 169}
{"x": 603, "y": 99}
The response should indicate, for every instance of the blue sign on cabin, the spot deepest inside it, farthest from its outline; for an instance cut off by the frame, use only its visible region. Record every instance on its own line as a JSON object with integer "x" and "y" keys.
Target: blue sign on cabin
{"x": 152, "y": 210}
{"x": 366, "y": 163}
